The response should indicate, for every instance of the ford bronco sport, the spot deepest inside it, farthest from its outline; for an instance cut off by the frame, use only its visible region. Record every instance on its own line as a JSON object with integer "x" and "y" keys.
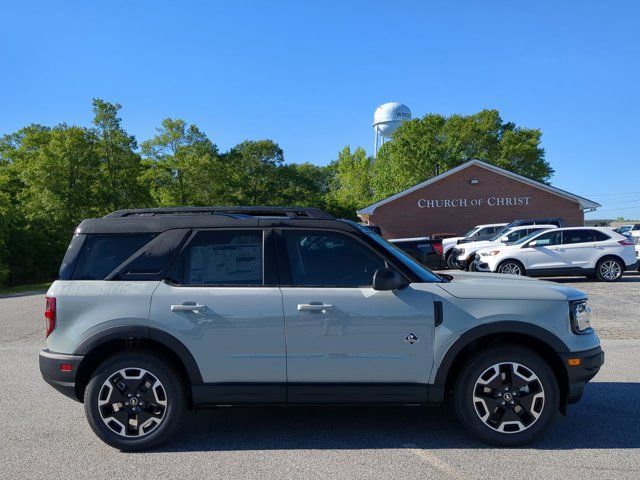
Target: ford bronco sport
{"x": 162, "y": 310}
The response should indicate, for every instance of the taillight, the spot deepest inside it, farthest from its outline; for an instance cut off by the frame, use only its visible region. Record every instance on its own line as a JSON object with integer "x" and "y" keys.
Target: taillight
{"x": 437, "y": 247}
{"x": 625, "y": 242}
{"x": 50, "y": 315}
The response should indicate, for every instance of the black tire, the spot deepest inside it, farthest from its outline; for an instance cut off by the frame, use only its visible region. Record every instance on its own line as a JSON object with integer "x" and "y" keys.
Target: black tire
{"x": 609, "y": 269}
{"x": 163, "y": 384}
{"x": 471, "y": 267}
{"x": 535, "y": 415}
{"x": 450, "y": 261}
{"x": 511, "y": 267}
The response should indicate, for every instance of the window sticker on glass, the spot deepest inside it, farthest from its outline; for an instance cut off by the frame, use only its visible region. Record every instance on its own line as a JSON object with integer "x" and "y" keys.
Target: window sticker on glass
{"x": 236, "y": 259}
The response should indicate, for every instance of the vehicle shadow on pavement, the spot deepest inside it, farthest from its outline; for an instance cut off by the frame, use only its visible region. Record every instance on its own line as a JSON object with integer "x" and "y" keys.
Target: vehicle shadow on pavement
{"x": 607, "y": 417}
{"x": 628, "y": 277}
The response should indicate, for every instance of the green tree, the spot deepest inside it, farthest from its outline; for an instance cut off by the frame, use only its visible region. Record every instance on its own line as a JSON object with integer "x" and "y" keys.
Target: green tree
{"x": 351, "y": 181}
{"x": 49, "y": 178}
{"x": 120, "y": 165}
{"x": 182, "y": 166}
{"x": 420, "y": 144}
{"x": 302, "y": 184}
{"x": 254, "y": 173}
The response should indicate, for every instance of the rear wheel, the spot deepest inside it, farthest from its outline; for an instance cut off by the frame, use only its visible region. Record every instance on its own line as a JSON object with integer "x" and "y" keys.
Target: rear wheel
{"x": 609, "y": 269}
{"x": 511, "y": 267}
{"x": 134, "y": 401}
{"x": 506, "y": 395}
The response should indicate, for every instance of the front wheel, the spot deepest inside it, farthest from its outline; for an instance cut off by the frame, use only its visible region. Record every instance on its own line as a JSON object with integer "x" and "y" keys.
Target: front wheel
{"x": 506, "y": 395}
{"x": 134, "y": 401}
{"x": 609, "y": 270}
{"x": 452, "y": 264}
{"x": 511, "y": 267}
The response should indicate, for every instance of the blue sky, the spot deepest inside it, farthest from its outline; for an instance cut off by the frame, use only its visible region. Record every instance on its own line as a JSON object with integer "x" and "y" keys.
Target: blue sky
{"x": 310, "y": 74}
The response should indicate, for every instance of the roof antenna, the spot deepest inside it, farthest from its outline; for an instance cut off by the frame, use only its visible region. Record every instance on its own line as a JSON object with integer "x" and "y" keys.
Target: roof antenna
{"x": 437, "y": 169}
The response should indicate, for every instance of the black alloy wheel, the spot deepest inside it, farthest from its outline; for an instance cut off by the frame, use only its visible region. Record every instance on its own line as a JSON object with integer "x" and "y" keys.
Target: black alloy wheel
{"x": 134, "y": 401}
{"x": 506, "y": 395}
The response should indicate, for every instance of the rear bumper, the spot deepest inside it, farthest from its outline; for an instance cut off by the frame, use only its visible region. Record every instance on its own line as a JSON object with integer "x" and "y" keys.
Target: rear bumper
{"x": 578, "y": 376}
{"x": 63, "y": 381}
{"x": 633, "y": 266}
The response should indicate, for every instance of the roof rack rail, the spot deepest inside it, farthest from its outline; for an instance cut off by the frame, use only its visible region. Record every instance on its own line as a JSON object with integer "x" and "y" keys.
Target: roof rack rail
{"x": 238, "y": 212}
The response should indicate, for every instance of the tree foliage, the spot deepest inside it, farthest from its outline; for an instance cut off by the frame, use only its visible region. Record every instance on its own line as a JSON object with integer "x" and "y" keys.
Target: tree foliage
{"x": 351, "y": 182}
{"x": 53, "y": 177}
{"x": 421, "y": 144}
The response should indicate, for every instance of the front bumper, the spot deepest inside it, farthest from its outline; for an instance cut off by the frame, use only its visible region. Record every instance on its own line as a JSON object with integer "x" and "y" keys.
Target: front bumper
{"x": 578, "y": 375}
{"x": 480, "y": 264}
{"x": 52, "y": 371}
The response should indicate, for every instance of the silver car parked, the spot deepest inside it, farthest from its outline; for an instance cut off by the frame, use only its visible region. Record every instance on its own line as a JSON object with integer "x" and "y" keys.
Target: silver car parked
{"x": 162, "y": 310}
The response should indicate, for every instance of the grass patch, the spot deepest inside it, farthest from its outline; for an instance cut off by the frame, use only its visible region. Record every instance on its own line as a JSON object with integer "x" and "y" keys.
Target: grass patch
{"x": 25, "y": 288}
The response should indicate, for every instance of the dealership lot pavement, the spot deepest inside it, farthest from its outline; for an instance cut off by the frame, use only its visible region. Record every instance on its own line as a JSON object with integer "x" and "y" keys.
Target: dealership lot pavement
{"x": 45, "y": 435}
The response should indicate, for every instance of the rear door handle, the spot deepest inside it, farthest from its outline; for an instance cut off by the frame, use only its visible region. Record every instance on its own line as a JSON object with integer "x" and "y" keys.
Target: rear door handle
{"x": 314, "y": 307}
{"x": 189, "y": 307}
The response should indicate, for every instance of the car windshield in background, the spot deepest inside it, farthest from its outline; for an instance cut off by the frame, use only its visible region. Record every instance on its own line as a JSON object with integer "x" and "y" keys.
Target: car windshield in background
{"x": 526, "y": 238}
{"x": 499, "y": 234}
{"x": 423, "y": 272}
{"x": 469, "y": 233}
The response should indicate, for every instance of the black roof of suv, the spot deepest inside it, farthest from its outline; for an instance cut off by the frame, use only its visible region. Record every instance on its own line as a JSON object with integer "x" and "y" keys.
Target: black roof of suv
{"x": 156, "y": 220}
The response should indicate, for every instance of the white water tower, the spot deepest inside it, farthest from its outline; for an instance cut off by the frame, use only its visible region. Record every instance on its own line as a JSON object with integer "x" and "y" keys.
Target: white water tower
{"x": 386, "y": 120}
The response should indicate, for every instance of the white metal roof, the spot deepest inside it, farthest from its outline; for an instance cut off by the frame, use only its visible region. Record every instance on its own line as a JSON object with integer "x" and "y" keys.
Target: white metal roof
{"x": 585, "y": 203}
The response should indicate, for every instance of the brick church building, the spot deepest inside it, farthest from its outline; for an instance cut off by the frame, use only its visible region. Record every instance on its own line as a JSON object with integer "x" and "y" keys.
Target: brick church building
{"x": 471, "y": 194}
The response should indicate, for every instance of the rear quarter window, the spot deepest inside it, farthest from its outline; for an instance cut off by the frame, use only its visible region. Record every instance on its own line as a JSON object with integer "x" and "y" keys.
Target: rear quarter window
{"x": 101, "y": 254}
{"x": 600, "y": 236}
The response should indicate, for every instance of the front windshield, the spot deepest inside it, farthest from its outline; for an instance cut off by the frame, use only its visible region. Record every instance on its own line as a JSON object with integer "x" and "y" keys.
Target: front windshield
{"x": 470, "y": 232}
{"x": 423, "y": 272}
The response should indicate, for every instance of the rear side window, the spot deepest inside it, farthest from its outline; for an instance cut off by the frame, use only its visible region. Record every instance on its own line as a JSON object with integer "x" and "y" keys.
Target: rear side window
{"x": 577, "y": 236}
{"x": 102, "y": 254}
{"x": 222, "y": 257}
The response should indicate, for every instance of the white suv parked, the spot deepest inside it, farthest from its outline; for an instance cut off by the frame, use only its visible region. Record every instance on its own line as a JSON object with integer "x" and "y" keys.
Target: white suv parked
{"x": 465, "y": 253}
{"x": 480, "y": 231}
{"x": 594, "y": 252}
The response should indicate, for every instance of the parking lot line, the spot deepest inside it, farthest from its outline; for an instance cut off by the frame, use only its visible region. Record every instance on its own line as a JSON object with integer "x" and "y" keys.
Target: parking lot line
{"x": 437, "y": 462}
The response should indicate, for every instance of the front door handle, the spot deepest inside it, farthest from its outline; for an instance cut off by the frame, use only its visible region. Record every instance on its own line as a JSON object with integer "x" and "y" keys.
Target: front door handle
{"x": 189, "y": 307}
{"x": 314, "y": 307}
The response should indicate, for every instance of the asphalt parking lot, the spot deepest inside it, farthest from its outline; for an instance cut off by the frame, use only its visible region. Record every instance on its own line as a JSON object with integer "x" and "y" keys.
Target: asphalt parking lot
{"x": 45, "y": 435}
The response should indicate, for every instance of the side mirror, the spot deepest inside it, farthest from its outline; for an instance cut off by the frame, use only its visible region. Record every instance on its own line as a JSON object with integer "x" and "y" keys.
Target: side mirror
{"x": 387, "y": 279}
{"x": 533, "y": 244}
{"x": 504, "y": 239}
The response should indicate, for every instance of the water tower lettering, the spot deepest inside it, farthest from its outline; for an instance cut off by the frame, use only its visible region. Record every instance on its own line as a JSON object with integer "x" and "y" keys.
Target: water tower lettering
{"x": 474, "y": 202}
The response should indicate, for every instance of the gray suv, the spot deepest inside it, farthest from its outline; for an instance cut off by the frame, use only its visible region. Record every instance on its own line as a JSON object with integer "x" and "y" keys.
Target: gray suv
{"x": 162, "y": 310}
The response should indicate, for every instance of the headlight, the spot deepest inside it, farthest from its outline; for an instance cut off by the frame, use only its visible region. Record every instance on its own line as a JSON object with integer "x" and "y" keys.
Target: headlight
{"x": 580, "y": 315}
{"x": 489, "y": 253}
